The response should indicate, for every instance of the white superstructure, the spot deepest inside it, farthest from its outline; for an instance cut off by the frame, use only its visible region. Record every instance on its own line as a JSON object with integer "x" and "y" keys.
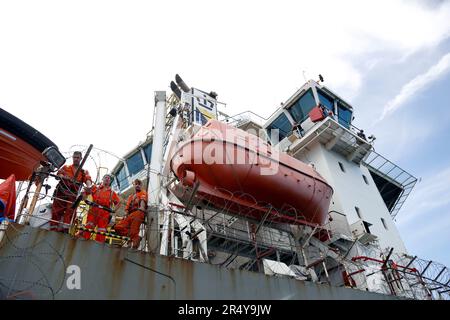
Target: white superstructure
{"x": 359, "y": 245}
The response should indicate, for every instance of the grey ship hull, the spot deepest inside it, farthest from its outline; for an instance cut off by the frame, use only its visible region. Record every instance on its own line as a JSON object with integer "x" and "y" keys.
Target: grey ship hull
{"x": 38, "y": 264}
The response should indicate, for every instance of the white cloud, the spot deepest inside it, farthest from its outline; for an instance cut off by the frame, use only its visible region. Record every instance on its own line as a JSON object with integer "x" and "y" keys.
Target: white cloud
{"x": 104, "y": 59}
{"x": 401, "y": 25}
{"x": 416, "y": 85}
{"x": 425, "y": 218}
{"x": 431, "y": 193}
{"x": 428, "y": 238}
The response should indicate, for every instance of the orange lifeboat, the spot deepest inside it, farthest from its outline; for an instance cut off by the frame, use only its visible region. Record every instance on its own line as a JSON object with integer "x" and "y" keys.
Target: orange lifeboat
{"x": 21, "y": 147}
{"x": 242, "y": 174}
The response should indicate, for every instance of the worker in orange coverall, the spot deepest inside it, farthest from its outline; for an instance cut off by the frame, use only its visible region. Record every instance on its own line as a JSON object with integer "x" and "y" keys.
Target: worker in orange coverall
{"x": 66, "y": 192}
{"x": 104, "y": 196}
{"x": 135, "y": 209}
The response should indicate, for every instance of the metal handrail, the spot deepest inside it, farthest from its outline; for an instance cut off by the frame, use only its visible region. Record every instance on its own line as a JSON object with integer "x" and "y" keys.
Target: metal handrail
{"x": 236, "y": 118}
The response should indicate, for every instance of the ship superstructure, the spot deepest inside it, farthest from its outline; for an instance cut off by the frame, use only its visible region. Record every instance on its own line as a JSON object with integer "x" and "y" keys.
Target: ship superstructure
{"x": 301, "y": 195}
{"x": 353, "y": 247}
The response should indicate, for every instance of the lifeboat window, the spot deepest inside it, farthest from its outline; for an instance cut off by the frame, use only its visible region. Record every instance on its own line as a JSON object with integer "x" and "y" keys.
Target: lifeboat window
{"x": 358, "y": 212}
{"x": 300, "y": 110}
{"x": 341, "y": 166}
{"x": 326, "y": 100}
{"x": 148, "y": 152}
{"x": 282, "y": 124}
{"x": 344, "y": 115}
{"x": 135, "y": 163}
{"x": 365, "y": 179}
{"x": 384, "y": 223}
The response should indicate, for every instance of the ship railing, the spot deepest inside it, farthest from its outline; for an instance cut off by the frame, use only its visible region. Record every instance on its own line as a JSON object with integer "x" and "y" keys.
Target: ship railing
{"x": 30, "y": 218}
{"x": 241, "y": 230}
{"x": 355, "y": 138}
{"x": 393, "y": 174}
{"x": 354, "y": 129}
{"x": 20, "y": 217}
{"x": 329, "y": 132}
{"x": 229, "y": 224}
{"x": 243, "y": 117}
{"x": 72, "y": 228}
{"x": 407, "y": 276}
{"x": 225, "y": 230}
{"x": 435, "y": 276}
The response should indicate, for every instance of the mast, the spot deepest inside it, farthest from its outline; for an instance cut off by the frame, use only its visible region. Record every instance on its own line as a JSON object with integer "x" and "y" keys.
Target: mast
{"x": 154, "y": 185}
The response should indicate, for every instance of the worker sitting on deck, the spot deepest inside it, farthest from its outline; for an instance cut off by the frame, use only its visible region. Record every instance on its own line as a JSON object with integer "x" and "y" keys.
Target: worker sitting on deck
{"x": 104, "y": 199}
{"x": 135, "y": 209}
{"x": 66, "y": 193}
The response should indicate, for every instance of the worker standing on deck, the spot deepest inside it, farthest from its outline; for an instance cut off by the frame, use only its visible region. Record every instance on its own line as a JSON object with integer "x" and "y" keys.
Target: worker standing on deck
{"x": 135, "y": 209}
{"x": 66, "y": 192}
{"x": 105, "y": 197}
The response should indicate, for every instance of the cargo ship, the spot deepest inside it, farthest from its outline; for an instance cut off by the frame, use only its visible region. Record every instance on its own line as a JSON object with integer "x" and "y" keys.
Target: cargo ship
{"x": 295, "y": 206}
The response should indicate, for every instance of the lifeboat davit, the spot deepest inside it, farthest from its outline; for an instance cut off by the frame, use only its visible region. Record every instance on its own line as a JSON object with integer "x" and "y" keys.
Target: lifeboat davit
{"x": 21, "y": 147}
{"x": 240, "y": 173}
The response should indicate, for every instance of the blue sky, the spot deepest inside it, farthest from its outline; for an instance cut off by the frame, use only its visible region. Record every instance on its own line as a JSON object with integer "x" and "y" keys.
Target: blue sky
{"x": 416, "y": 137}
{"x": 85, "y": 72}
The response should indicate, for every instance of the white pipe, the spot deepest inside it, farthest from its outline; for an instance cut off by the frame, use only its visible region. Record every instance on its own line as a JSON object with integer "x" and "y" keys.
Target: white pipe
{"x": 154, "y": 184}
{"x": 165, "y": 235}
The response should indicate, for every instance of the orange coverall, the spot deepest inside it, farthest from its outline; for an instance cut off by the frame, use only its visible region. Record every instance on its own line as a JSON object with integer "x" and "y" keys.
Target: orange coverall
{"x": 98, "y": 217}
{"x": 66, "y": 190}
{"x": 131, "y": 224}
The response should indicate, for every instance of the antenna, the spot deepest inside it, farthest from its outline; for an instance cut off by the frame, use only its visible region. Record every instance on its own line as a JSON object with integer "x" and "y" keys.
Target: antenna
{"x": 304, "y": 75}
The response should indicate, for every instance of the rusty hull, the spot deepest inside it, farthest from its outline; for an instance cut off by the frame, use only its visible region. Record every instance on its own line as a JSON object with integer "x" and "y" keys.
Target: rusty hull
{"x": 34, "y": 265}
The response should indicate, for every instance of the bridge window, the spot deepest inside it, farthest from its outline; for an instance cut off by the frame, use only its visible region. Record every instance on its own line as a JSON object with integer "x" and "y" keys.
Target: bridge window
{"x": 282, "y": 124}
{"x": 135, "y": 163}
{"x": 148, "y": 152}
{"x": 300, "y": 110}
{"x": 122, "y": 178}
{"x": 344, "y": 115}
{"x": 326, "y": 100}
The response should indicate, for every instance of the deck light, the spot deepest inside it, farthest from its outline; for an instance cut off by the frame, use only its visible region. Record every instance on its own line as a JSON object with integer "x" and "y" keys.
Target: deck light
{"x": 54, "y": 156}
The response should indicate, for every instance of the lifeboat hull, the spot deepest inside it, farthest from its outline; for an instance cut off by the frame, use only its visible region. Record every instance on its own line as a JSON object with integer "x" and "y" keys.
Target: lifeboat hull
{"x": 21, "y": 147}
{"x": 17, "y": 156}
{"x": 241, "y": 174}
